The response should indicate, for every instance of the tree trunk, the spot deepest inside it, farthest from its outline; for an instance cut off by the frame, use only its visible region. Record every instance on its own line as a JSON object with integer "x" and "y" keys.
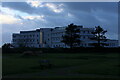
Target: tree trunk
{"x": 98, "y": 40}
{"x": 71, "y": 46}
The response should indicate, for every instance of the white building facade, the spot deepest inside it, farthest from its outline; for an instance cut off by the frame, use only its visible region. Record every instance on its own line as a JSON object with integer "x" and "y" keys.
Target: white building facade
{"x": 52, "y": 37}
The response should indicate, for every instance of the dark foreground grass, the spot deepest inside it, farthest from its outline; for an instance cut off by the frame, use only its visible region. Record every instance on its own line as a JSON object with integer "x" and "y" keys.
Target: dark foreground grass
{"x": 70, "y": 65}
{"x": 63, "y": 78}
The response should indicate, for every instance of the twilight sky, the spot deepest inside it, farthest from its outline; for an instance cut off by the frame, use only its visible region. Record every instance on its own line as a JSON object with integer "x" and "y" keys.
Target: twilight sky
{"x": 29, "y": 15}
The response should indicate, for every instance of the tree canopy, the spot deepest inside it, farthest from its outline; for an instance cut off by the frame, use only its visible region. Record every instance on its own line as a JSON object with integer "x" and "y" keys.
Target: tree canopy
{"x": 99, "y": 36}
{"x": 72, "y": 36}
{"x": 7, "y": 45}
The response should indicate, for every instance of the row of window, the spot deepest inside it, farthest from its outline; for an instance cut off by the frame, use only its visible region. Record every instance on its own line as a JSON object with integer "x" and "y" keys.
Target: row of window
{"x": 54, "y": 34}
{"x": 25, "y": 40}
{"x": 59, "y": 46}
{"x": 111, "y": 44}
{"x": 60, "y": 38}
{"x": 83, "y": 44}
{"x": 26, "y": 36}
{"x": 61, "y": 33}
{"x": 30, "y": 46}
{"x": 57, "y": 39}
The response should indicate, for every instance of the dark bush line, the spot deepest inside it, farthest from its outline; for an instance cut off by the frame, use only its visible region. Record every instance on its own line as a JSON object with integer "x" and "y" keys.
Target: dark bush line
{"x": 62, "y": 50}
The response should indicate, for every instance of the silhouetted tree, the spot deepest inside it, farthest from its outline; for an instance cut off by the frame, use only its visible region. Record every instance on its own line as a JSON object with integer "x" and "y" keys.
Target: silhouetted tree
{"x": 7, "y": 46}
{"x": 71, "y": 37}
{"x": 99, "y": 36}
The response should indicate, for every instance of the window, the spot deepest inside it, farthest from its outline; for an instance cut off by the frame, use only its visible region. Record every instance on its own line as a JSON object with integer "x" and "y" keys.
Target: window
{"x": 83, "y": 37}
{"x": 113, "y": 44}
{"x": 87, "y": 37}
{"x": 14, "y": 40}
{"x": 14, "y": 36}
{"x": 56, "y": 45}
{"x": 39, "y": 46}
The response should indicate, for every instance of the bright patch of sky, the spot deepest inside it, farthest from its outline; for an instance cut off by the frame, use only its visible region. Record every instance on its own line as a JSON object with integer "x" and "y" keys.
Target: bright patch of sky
{"x": 35, "y": 3}
{"x": 57, "y": 8}
{"x": 10, "y": 16}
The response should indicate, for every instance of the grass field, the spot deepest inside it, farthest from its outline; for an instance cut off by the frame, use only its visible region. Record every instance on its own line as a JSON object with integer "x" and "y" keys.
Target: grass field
{"x": 77, "y": 65}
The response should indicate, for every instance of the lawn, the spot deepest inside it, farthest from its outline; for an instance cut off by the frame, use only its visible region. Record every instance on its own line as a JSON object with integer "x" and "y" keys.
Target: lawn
{"x": 88, "y": 65}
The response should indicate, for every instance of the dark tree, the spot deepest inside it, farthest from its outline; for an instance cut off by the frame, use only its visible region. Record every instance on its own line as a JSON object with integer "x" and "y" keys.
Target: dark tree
{"x": 99, "y": 36}
{"x": 71, "y": 37}
{"x": 7, "y": 46}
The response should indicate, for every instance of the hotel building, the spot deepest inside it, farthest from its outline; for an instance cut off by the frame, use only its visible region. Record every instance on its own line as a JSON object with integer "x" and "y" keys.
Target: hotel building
{"x": 51, "y": 38}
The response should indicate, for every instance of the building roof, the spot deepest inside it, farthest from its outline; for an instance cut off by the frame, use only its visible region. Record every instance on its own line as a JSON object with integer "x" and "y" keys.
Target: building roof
{"x": 37, "y": 30}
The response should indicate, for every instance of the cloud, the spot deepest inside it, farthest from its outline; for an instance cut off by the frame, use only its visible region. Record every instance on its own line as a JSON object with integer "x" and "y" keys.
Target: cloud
{"x": 52, "y": 14}
{"x": 35, "y": 7}
{"x": 8, "y": 19}
{"x": 11, "y": 16}
{"x": 7, "y": 16}
{"x": 35, "y": 3}
{"x": 88, "y": 6}
{"x": 34, "y": 17}
{"x": 54, "y": 7}
{"x": 20, "y": 6}
{"x": 57, "y": 8}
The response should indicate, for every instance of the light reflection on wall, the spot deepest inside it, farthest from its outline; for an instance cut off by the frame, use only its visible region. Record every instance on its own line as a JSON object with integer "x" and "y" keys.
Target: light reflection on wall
{"x": 41, "y": 37}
